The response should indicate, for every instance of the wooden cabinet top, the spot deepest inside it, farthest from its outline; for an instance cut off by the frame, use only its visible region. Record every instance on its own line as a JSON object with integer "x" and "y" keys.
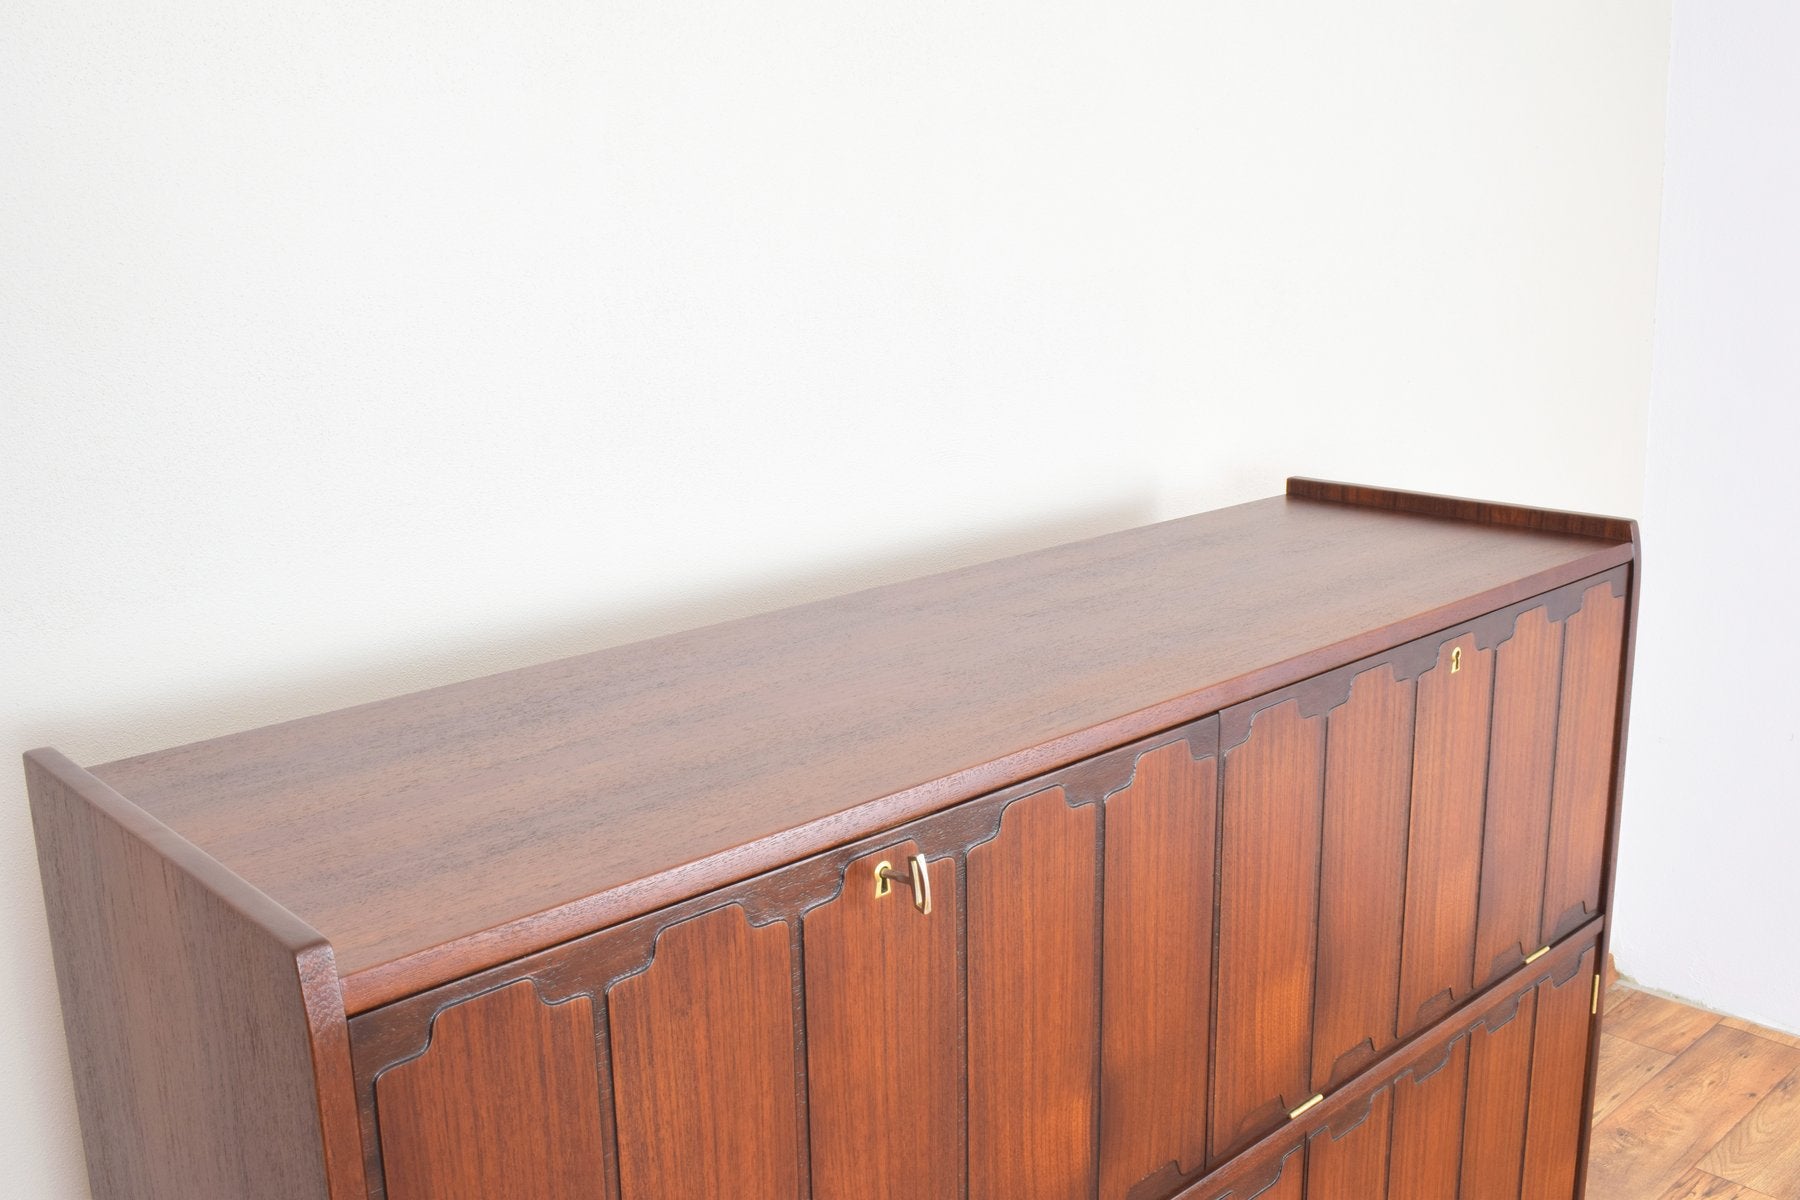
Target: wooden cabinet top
{"x": 438, "y": 833}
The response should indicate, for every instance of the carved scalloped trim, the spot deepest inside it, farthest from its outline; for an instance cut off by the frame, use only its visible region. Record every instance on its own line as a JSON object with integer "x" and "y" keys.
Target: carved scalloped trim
{"x": 430, "y": 1030}
{"x": 1320, "y": 694}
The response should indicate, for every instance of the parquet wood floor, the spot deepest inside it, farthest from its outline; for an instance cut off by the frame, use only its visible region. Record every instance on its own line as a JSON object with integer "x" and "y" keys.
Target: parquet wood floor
{"x": 1691, "y": 1105}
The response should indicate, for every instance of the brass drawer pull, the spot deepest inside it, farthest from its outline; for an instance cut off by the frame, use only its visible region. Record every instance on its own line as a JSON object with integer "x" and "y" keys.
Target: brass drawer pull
{"x": 919, "y": 877}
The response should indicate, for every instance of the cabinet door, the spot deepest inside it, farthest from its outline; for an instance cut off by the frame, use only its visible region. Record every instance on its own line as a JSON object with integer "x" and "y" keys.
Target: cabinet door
{"x": 704, "y": 1064}
{"x": 1033, "y": 1002}
{"x": 1502, "y": 1117}
{"x": 1397, "y": 834}
{"x": 884, "y": 1029}
{"x": 1586, "y": 740}
{"x": 1268, "y": 909}
{"x": 1312, "y": 870}
{"x": 1527, "y": 672}
{"x": 1362, "y": 874}
{"x": 1484, "y": 1109}
{"x": 1352, "y": 1164}
{"x": 1426, "y": 1162}
{"x": 1157, "y": 1002}
{"x": 504, "y": 1101}
{"x": 1443, "y": 863}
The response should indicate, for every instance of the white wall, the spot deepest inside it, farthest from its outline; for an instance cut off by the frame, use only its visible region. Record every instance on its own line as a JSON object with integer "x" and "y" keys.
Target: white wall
{"x": 1708, "y": 880}
{"x": 349, "y": 348}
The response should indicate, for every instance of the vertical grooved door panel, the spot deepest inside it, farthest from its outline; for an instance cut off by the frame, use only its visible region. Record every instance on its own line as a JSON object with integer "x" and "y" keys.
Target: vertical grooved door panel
{"x": 1033, "y": 1003}
{"x": 1268, "y": 911}
{"x": 1160, "y": 832}
{"x": 1526, "y": 671}
{"x": 1494, "y": 1118}
{"x": 1362, "y": 880}
{"x": 883, "y": 1037}
{"x": 505, "y": 1101}
{"x": 704, "y": 1064}
{"x": 1426, "y": 1159}
{"x": 1290, "y": 1184}
{"x": 1353, "y": 1166}
{"x": 1558, "y": 1085}
{"x": 1595, "y": 642}
{"x": 1450, "y": 766}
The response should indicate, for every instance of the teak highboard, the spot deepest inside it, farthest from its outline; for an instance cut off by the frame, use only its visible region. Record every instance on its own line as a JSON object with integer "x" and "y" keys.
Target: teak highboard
{"x": 1266, "y": 852}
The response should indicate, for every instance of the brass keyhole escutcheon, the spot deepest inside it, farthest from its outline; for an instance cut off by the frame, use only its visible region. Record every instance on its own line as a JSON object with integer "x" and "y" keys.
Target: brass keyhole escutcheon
{"x": 1456, "y": 660}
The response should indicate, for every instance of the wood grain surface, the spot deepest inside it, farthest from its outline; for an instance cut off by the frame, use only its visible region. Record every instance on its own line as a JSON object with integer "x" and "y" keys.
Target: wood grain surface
{"x": 1034, "y": 994}
{"x": 504, "y": 1102}
{"x": 207, "y": 1039}
{"x": 1527, "y": 674}
{"x": 1684, "y": 1111}
{"x": 1698, "y": 1185}
{"x": 884, "y": 1028}
{"x": 1290, "y": 1186}
{"x": 703, "y": 1057}
{"x": 1362, "y": 879}
{"x": 1499, "y": 1089}
{"x": 1585, "y": 761}
{"x": 1443, "y": 863}
{"x": 1157, "y": 1005}
{"x": 1459, "y": 508}
{"x": 1268, "y": 914}
{"x": 433, "y": 835}
{"x": 1428, "y": 1131}
{"x": 1624, "y": 1067}
{"x": 1352, "y": 1165}
{"x": 1658, "y": 1022}
{"x": 1428, "y": 1076}
{"x": 1559, "y": 1061}
{"x": 1725, "y": 1152}
{"x": 1762, "y": 1151}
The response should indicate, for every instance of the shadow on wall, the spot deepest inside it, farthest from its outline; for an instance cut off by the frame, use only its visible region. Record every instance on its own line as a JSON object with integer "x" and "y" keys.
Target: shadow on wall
{"x": 240, "y": 702}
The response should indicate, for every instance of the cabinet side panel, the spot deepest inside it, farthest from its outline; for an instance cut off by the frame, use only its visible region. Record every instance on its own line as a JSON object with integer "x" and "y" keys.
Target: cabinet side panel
{"x": 1158, "y": 978}
{"x": 1558, "y": 1079}
{"x": 1033, "y": 1003}
{"x": 1443, "y": 869}
{"x": 505, "y": 1101}
{"x": 1268, "y": 911}
{"x": 1499, "y": 1085}
{"x": 188, "y": 1029}
{"x": 1584, "y": 761}
{"x": 1428, "y": 1125}
{"x": 1362, "y": 880}
{"x": 703, "y": 1064}
{"x": 1518, "y": 806}
{"x": 883, "y": 1035}
{"x": 1353, "y": 1166}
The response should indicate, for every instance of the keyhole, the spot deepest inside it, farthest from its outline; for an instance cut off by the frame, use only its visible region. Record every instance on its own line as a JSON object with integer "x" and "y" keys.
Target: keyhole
{"x": 1456, "y": 660}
